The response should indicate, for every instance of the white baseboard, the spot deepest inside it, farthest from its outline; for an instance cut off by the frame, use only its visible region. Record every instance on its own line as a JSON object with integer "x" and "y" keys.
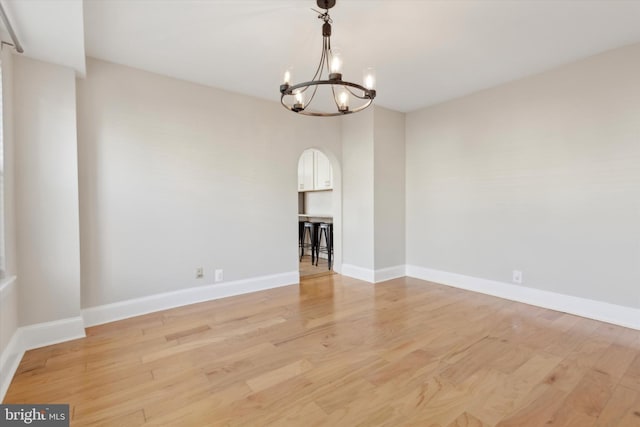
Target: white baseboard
{"x": 373, "y": 276}
{"x": 359, "y": 273}
{"x": 135, "y": 307}
{"x": 606, "y": 312}
{"x": 11, "y": 354}
{"x": 48, "y": 333}
{"x": 35, "y": 336}
{"x": 9, "y": 361}
{"x": 384, "y": 274}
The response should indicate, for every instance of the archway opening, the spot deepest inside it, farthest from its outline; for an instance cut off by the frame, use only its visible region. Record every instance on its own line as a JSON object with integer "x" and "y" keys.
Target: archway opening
{"x": 319, "y": 205}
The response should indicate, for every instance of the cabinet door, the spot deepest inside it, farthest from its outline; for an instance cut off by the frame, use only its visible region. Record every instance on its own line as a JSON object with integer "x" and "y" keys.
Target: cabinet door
{"x": 305, "y": 171}
{"x": 323, "y": 172}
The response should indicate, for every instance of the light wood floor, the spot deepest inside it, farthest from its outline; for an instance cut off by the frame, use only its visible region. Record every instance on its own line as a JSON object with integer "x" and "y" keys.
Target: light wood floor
{"x": 308, "y": 270}
{"x": 339, "y": 352}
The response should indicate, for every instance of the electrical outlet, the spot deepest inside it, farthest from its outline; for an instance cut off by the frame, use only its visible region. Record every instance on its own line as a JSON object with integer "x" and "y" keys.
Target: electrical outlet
{"x": 517, "y": 276}
{"x": 199, "y": 273}
{"x": 219, "y": 276}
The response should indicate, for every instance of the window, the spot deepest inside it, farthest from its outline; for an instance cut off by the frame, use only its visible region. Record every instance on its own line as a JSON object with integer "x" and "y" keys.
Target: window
{"x": 2, "y": 255}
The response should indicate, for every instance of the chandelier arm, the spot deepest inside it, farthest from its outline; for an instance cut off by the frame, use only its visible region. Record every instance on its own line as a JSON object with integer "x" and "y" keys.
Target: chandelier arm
{"x": 355, "y": 94}
{"x": 329, "y": 55}
{"x": 326, "y": 51}
{"x": 318, "y": 73}
{"x": 369, "y": 93}
{"x": 340, "y": 113}
{"x": 362, "y": 107}
{"x": 330, "y": 59}
{"x": 315, "y": 89}
{"x": 319, "y": 114}
{"x": 335, "y": 101}
{"x": 283, "y": 103}
{"x": 325, "y": 56}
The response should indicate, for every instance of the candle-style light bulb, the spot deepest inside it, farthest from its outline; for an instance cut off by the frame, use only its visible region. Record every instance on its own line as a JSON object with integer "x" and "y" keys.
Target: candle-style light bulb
{"x": 343, "y": 101}
{"x": 335, "y": 65}
{"x": 287, "y": 77}
{"x": 369, "y": 78}
{"x": 298, "y": 105}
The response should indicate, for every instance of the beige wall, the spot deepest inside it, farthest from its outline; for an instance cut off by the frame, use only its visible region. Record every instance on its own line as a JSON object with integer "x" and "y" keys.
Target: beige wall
{"x": 374, "y": 190}
{"x": 175, "y": 176}
{"x": 389, "y": 188}
{"x": 539, "y": 175}
{"x": 358, "y": 203}
{"x": 9, "y": 228}
{"x": 46, "y": 185}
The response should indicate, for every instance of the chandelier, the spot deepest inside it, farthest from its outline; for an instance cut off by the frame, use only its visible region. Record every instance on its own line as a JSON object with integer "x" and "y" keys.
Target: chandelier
{"x": 298, "y": 97}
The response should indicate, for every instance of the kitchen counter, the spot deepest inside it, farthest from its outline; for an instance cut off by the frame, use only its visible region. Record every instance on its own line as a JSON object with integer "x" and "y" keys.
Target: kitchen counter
{"x": 315, "y": 217}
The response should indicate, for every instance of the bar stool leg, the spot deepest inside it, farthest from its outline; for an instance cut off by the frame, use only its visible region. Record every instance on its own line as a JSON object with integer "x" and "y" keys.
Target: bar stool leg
{"x": 320, "y": 230}
{"x": 330, "y": 245}
{"x": 312, "y": 237}
{"x": 308, "y": 230}
{"x": 301, "y": 238}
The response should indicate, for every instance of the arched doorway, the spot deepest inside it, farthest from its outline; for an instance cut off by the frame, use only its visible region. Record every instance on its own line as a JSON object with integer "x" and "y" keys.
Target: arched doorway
{"x": 319, "y": 206}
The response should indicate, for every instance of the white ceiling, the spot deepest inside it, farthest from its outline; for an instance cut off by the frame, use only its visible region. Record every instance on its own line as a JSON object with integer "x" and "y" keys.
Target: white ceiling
{"x": 425, "y": 52}
{"x": 49, "y": 30}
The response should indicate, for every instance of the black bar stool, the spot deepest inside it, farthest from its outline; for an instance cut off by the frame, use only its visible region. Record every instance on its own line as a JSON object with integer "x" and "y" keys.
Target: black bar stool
{"x": 300, "y": 235}
{"x": 309, "y": 229}
{"x": 326, "y": 230}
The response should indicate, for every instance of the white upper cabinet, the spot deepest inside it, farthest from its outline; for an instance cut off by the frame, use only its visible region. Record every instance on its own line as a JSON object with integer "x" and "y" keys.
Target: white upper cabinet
{"x": 305, "y": 171}
{"x": 314, "y": 171}
{"x": 323, "y": 179}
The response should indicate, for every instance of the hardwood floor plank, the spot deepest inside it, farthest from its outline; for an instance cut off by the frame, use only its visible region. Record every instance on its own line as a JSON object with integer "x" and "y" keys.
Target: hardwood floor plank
{"x": 565, "y": 376}
{"x": 208, "y": 410}
{"x": 592, "y": 393}
{"x": 137, "y": 396}
{"x": 277, "y": 376}
{"x": 507, "y": 395}
{"x": 451, "y": 400}
{"x": 406, "y": 364}
{"x": 623, "y": 409}
{"x": 631, "y": 378}
{"x": 542, "y": 403}
{"x": 616, "y": 361}
{"x": 309, "y": 414}
{"x": 467, "y": 420}
{"x": 132, "y": 419}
